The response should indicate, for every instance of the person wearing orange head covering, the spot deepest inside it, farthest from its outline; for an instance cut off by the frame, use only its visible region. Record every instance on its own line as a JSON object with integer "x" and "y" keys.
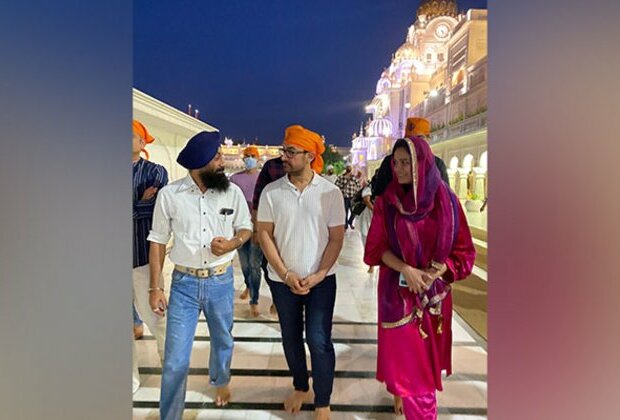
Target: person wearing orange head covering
{"x": 308, "y": 141}
{"x": 148, "y": 178}
{"x": 145, "y": 137}
{"x": 250, "y": 255}
{"x": 301, "y": 231}
{"x": 421, "y": 127}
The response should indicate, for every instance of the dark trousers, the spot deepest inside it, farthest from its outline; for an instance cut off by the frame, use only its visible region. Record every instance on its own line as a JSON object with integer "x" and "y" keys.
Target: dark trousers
{"x": 319, "y": 311}
{"x": 348, "y": 214}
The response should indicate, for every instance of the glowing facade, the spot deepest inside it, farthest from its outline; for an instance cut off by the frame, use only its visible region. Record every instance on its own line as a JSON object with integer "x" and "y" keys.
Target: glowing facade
{"x": 439, "y": 73}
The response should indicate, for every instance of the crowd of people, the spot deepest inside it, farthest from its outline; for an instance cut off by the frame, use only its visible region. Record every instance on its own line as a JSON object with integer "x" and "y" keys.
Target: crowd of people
{"x": 287, "y": 223}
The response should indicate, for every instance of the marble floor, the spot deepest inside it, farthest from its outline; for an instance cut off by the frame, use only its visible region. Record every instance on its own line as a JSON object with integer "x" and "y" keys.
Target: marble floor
{"x": 260, "y": 378}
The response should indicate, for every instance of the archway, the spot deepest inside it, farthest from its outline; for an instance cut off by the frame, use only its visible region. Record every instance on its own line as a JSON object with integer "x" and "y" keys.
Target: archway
{"x": 483, "y": 160}
{"x": 468, "y": 161}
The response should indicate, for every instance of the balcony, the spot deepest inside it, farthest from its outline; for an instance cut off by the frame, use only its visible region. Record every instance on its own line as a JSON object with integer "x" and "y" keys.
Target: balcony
{"x": 468, "y": 125}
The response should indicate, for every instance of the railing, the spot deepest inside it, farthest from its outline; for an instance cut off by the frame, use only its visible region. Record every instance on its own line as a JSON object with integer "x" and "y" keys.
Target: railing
{"x": 468, "y": 125}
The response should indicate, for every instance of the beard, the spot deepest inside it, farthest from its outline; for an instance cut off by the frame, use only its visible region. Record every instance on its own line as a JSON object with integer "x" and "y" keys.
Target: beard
{"x": 215, "y": 180}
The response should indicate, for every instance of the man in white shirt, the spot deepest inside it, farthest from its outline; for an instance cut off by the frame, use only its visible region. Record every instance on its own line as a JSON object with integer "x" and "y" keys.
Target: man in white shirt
{"x": 330, "y": 175}
{"x": 209, "y": 219}
{"x": 301, "y": 230}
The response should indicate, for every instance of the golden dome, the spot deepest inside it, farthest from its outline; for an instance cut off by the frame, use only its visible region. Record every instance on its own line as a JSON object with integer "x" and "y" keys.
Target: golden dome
{"x": 405, "y": 52}
{"x": 434, "y": 8}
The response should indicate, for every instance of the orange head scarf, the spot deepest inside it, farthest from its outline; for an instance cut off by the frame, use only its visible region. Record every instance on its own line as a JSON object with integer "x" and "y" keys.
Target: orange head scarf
{"x": 417, "y": 126}
{"x": 251, "y": 151}
{"x": 296, "y": 135}
{"x": 140, "y": 130}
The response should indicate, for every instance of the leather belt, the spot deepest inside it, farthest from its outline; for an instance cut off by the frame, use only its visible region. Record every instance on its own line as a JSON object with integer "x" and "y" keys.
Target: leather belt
{"x": 204, "y": 272}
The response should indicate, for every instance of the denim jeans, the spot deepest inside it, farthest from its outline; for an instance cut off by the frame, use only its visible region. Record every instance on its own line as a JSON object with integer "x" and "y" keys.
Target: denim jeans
{"x": 319, "y": 311}
{"x": 250, "y": 258}
{"x": 188, "y": 296}
{"x": 348, "y": 213}
{"x": 136, "y": 318}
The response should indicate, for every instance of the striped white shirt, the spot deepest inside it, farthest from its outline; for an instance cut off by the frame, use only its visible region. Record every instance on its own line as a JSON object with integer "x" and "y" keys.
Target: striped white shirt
{"x": 301, "y": 221}
{"x": 195, "y": 218}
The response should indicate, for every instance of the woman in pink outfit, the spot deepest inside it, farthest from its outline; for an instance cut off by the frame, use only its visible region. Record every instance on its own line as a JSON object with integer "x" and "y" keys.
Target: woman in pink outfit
{"x": 420, "y": 238}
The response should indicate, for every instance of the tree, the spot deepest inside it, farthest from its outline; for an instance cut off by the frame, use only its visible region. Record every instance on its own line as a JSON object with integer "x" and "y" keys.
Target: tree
{"x": 332, "y": 157}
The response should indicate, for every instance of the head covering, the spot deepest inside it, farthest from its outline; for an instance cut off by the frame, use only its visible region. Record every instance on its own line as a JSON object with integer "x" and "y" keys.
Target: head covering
{"x": 251, "y": 151}
{"x": 296, "y": 135}
{"x": 199, "y": 150}
{"x": 408, "y": 209}
{"x": 417, "y": 127}
{"x": 140, "y": 130}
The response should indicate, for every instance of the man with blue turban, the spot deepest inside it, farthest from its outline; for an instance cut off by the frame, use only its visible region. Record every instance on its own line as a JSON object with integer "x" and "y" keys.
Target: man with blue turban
{"x": 210, "y": 220}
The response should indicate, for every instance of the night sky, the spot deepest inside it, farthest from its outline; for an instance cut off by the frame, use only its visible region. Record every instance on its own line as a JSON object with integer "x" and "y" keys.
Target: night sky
{"x": 253, "y": 67}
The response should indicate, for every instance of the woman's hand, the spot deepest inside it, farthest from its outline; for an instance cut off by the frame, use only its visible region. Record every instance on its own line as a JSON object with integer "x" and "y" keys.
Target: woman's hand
{"x": 417, "y": 280}
{"x": 434, "y": 273}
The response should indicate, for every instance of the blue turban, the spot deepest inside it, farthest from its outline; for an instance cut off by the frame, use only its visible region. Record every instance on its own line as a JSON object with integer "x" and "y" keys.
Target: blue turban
{"x": 199, "y": 150}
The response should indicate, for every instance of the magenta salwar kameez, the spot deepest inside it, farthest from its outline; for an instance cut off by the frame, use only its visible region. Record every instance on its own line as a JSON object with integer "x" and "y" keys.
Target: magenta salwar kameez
{"x": 414, "y": 339}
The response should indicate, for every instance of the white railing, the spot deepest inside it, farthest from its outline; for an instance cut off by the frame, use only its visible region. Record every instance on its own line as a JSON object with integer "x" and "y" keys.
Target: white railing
{"x": 468, "y": 125}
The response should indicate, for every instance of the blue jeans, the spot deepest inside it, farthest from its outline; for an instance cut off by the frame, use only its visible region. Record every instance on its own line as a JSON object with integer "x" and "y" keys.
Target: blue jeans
{"x": 136, "y": 318}
{"x": 319, "y": 311}
{"x": 250, "y": 257}
{"x": 188, "y": 296}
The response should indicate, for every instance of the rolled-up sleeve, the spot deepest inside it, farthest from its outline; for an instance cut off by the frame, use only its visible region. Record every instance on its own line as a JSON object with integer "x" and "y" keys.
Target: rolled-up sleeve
{"x": 242, "y": 218}
{"x": 161, "y": 228}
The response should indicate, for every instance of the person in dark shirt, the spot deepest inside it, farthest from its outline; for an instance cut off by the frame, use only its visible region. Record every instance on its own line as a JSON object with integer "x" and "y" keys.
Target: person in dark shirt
{"x": 349, "y": 186}
{"x": 148, "y": 178}
{"x": 272, "y": 170}
{"x": 421, "y": 127}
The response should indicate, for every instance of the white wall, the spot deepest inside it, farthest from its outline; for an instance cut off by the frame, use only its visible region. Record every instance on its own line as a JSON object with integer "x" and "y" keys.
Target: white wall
{"x": 170, "y": 127}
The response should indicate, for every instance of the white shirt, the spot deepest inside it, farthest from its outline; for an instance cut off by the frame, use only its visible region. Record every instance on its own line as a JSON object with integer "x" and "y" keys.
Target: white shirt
{"x": 195, "y": 218}
{"x": 366, "y": 192}
{"x": 301, "y": 221}
{"x": 331, "y": 178}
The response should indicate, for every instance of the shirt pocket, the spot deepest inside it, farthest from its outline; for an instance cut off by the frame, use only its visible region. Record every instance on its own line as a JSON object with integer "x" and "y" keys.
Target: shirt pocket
{"x": 222, "y": 225}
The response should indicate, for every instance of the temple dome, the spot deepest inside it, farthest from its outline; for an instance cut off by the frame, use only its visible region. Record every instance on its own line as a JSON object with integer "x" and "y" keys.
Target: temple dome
{"x": 406, "y": 52}
{"x": 384, "y": 83}
{"x": 434, "y": 8}
{"x": 381, "y": 127}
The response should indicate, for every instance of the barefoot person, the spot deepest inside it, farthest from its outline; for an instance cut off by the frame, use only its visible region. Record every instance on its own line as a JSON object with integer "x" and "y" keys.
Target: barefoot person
{"x": 148, "y": 178}
{"x": 209, "y": 219}
{"x": 420, "y": 238}
{"x": 250, "y": 254}
{"x": 301, "y": 229}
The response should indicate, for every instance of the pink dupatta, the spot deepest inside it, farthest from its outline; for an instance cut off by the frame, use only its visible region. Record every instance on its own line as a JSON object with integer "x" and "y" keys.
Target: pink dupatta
{"x": 430, "y": 197}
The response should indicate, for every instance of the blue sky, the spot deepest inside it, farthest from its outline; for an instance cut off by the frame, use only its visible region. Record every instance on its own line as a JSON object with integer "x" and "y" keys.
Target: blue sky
{"x": 253, "y": 67}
